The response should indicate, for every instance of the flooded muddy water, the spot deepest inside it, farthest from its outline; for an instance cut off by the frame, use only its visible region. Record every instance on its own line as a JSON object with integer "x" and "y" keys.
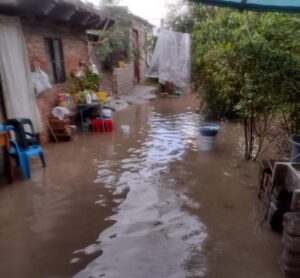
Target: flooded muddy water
{"x": 140, "y": 204}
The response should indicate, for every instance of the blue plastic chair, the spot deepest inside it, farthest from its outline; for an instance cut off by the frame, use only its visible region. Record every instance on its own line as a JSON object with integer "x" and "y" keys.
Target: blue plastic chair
{"x": 22, "y": 155}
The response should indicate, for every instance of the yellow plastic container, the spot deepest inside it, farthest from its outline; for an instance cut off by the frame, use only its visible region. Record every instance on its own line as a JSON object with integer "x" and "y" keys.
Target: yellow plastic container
{"x": 121, "y": 64}
{"x": 102, "y": 96}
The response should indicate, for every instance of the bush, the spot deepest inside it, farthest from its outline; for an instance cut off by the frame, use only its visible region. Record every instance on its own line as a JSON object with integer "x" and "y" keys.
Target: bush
{"x": 248, "y": 65}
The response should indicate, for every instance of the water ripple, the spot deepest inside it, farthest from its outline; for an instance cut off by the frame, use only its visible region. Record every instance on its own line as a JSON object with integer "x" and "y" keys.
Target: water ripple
{"x": 152, "y": 235}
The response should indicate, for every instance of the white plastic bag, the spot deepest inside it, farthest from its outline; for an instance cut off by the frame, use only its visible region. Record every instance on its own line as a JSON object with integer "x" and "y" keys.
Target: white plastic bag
{"x": 60, "y": 112}
{"x": 40, "y": 80}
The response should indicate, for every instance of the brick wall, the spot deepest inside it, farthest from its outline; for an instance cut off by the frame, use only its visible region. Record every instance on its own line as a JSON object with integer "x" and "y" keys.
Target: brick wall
{"x": 143, "y": 30}
{"x": 124, "y": 79}
{"x": 107, "y": 83}
{"x": 74, "y": 49}
{"x": 45, "y": 103}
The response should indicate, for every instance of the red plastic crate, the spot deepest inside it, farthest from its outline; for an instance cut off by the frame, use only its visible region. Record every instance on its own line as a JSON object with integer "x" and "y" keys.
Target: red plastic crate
{"x": 102, "y": 125}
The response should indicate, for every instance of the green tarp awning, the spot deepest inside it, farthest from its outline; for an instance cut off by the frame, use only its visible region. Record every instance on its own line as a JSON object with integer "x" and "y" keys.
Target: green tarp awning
{"x": 257, "y": 5}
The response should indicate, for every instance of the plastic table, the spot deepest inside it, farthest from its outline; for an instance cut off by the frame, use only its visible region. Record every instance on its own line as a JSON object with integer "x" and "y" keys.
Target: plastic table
{"x": 82, "y": 107}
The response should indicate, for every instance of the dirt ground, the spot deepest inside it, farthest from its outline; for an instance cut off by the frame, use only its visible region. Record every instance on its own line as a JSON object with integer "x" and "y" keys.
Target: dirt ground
{"x": 143, "y": 204}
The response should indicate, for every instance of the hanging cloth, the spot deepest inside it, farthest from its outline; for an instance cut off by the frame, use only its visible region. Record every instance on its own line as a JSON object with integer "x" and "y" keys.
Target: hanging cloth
{"x": 15, "y": 73}
{"x": 171, "y": 60}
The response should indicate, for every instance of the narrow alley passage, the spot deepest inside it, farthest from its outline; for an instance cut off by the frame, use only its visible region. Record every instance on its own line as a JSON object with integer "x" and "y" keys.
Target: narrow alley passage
{"x": 142, "y": 204}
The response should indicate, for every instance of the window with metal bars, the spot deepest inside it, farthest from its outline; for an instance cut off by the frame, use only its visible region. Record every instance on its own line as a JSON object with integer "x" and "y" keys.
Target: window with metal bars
{"x": 55, "y": 54}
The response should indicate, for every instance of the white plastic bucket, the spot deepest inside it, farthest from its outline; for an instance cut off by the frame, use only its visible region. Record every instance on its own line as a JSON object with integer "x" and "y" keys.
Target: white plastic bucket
{"x": 207, "y": 143}
{"x": 107, "y": 113}
{"x": 125, "y": 129}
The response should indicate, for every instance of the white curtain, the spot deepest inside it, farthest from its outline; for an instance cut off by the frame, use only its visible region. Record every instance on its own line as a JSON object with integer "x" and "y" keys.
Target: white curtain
{"x": 15, "y": 72}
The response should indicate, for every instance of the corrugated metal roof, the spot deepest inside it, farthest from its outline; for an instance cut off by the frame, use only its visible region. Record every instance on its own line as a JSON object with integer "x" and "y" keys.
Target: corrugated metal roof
{"x": 73, "y": 12}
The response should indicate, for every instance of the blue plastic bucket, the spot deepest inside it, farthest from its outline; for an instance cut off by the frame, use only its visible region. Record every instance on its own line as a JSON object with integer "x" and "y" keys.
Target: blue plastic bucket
{"x": 207, "y": 143}
{"x": 209, "y": 130}
{"x": 207, "y": 138}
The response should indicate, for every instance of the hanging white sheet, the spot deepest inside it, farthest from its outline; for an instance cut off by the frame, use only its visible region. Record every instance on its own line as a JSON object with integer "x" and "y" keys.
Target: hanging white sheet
{"x": 171, "y": 60}
{"x": 15, "y": 72}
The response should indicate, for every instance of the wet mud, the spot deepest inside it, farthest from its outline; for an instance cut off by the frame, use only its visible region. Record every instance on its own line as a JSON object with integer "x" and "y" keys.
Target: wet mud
{"x": 142, "y": 204}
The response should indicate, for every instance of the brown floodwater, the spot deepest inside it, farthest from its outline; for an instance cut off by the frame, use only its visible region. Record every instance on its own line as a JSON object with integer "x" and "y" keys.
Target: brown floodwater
{"x": 143, "y": 204}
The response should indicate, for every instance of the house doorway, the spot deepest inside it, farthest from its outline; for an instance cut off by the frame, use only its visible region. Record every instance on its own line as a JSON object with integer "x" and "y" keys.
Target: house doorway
{"x": 136, "y": 52}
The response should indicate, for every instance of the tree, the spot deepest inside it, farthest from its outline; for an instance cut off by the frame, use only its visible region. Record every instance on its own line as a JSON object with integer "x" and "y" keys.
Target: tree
{"x": 113, "y": 44}
{"x": 185, "y": 16}
{"x": 250, "y": 66}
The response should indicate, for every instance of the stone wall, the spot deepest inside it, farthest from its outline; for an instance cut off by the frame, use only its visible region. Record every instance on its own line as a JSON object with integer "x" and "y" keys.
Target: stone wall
{"x": 74, "y": 50}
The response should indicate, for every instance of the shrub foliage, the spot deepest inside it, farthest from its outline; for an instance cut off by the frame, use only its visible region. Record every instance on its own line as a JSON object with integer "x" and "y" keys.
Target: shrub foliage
{"x": 248, "y": 66}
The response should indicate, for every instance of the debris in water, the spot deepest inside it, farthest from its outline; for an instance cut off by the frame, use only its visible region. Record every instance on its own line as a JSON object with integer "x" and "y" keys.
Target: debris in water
{"x": 125, "y": 129}
{"x": 74, "y": 260}
{"x": 100, "y": 202}
{"x": 227, "y": 174}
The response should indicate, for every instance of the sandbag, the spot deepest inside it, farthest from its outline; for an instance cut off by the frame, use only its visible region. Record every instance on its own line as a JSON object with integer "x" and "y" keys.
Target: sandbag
{"x": 291, "y": 223}
{"x": 290, "y": 259}
{"x": 291, "y": 243}
{"x": 288, "y": 270}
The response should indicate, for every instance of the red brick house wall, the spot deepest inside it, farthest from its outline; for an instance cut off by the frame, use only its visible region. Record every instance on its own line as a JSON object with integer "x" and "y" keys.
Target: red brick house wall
{"x": 75, "y": 49}
{"x": 124, "y": 78}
